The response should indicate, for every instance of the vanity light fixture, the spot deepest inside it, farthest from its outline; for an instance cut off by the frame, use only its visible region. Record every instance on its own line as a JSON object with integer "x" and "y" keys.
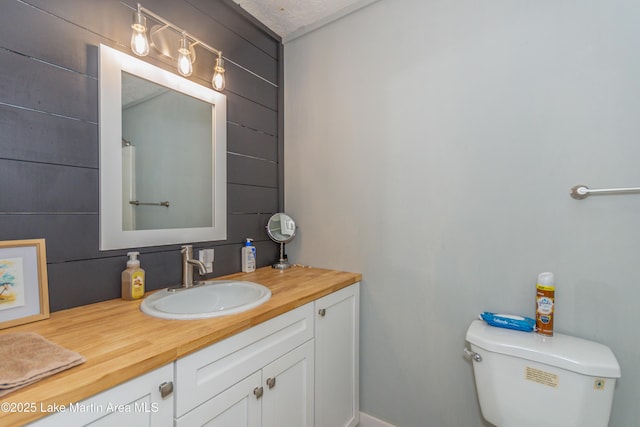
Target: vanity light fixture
{"x": 140, "y": 45}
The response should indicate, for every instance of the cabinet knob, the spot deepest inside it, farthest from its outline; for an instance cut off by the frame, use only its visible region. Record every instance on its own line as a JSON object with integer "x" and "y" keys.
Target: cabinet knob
{"x": 166, "y": 388}
{"x": 271, "y": 382}
{"x": 258, "y": 391}
{"x": 322, "y": 312}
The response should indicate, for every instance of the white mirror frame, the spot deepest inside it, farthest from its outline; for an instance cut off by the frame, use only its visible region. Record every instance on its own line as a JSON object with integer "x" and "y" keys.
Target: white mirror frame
{"x": 112, "y": 235}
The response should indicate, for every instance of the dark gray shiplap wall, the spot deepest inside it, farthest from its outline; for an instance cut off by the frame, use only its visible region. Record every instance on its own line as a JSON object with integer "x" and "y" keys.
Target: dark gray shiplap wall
{"x": 49, "y": 135}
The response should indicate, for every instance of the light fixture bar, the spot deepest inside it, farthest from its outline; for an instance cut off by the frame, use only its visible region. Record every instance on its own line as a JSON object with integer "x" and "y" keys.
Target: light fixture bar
{"x": 179, "y": 30}
{"x": 186, "y": 51}
{"x": 196, "y": 41}
{"x": 160, "y": 28}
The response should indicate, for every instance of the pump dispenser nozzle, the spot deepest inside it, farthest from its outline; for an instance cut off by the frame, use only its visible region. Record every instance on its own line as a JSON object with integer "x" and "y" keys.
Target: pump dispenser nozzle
{"x": 133, "y": 259}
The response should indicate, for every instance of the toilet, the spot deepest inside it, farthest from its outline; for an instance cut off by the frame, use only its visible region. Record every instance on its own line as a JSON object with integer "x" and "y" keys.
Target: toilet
{"x": 524, "y": 379}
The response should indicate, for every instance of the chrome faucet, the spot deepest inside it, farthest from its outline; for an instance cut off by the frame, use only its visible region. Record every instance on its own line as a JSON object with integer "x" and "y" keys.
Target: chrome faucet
{"x": 187, "y": 266}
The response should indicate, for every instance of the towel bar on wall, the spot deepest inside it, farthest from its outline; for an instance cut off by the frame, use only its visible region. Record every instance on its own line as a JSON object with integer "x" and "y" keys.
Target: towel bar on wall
{"x": 580, "y": 192}
{"x": 139, "y": 203}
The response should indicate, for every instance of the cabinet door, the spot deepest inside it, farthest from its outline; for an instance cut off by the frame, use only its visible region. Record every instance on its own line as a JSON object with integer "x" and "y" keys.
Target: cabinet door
{"x": 238, "y": 406}
{"x": 288, "y": 389}
{"x": 137, "y": 402}
{"x": 208, "y": 372}
{"x": 337, "y": 359}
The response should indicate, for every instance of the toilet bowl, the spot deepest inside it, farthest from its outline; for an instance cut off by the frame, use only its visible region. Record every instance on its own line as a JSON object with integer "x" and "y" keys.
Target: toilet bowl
{"x": 524, "y": 379}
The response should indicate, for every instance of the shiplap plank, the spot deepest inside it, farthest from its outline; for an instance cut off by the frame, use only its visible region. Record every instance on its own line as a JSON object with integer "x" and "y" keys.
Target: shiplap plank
{"x": 246, "y": 113}
{"x": 242, "y": 226}
{"x": 39, "y": 187}
{"x": 68, "y": 237}
{"x": 251, "y": 171}
{"x": 72, "y": 284}
{"x": 251, "y": 87}
{"x": 243, "y": 140}
{"x": 251, "y": 199}
{"x": 41, "y": 137}
{"x": 74, "y": 237}
{"x": 110, "y": 19}
{"x": 55, "y": 41}
{"x": 33, "y": 84}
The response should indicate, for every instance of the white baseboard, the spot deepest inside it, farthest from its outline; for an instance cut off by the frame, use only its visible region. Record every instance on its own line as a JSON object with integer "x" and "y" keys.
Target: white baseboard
{"x": 369, "y": 421}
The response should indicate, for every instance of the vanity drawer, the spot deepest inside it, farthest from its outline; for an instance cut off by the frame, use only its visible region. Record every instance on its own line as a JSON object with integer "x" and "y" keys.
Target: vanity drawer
{"x": 206, "y": 373}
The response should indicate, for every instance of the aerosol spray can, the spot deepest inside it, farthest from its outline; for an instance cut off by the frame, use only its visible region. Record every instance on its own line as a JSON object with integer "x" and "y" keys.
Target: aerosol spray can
{"x": 545, "y": 296}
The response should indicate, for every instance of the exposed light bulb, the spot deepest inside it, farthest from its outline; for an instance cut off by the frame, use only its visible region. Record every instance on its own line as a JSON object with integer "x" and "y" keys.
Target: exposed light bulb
{"x": 184, "y": 58}
{"x": 139, "y": 41}
{"x": 218, "y": 82}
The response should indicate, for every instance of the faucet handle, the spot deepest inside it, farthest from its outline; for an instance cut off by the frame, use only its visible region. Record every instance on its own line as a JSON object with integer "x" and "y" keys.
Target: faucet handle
{"x": 187, "y": 249}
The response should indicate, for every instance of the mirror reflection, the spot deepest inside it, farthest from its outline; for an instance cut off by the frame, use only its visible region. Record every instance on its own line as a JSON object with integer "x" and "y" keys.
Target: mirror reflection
{"x": 166, "y": 168}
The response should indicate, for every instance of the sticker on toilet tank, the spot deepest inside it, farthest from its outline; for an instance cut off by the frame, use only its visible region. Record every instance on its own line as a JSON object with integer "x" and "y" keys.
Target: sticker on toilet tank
{"x": 541, "y": 377}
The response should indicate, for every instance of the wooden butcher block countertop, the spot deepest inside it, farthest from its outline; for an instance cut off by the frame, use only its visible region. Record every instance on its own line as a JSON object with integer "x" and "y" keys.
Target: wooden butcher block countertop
{"x": 120, "y": 342}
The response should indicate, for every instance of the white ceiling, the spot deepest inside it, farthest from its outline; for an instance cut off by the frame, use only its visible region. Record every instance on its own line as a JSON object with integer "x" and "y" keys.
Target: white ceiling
{"x": 292, "y": 18}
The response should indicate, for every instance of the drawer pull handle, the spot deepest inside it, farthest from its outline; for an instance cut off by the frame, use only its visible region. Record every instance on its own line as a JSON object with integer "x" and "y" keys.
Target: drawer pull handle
{"x": 166, "y": 388}
{"x": 322, "y": 312}
{"x": 271, "y": 382}
{"x": 258, "y": 391}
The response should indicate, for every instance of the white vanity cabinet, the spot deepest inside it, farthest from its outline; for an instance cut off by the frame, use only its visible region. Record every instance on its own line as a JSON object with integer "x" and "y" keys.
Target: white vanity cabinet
{"x": 262, "y": 377}
{"x": 138, "y": 402}
{"x": 299, "y": 369}
{"x": 276, "y": 374}
{"x": 337, "y": 335}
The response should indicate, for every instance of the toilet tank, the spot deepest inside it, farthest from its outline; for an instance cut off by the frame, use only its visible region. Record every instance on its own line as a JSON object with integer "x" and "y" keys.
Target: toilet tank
{"x": 524, "y": 379}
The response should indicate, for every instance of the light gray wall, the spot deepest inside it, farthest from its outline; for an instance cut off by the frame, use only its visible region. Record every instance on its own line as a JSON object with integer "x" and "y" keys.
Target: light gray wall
{"x": 431, "y": 145}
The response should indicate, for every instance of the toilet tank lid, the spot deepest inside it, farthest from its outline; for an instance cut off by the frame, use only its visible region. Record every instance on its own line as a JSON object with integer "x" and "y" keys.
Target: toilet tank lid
{"x": 562, "y": 351}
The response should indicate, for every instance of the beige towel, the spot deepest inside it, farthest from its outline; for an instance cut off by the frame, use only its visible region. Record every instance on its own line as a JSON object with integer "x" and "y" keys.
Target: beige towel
{"x": 27, "y": 357}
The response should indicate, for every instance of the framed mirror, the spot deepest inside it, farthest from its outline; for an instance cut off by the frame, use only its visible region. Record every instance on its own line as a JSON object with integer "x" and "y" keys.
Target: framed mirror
{"x": 162, "y": 156}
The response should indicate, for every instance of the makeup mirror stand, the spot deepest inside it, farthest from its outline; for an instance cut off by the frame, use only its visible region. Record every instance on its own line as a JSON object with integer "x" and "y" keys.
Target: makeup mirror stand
{"x": 282, "y": 263}
{"x": 281, "y": 228}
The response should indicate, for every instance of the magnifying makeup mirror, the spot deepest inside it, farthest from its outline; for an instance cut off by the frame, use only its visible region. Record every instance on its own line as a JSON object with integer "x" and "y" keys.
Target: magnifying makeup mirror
{"x": 281, "y": 228}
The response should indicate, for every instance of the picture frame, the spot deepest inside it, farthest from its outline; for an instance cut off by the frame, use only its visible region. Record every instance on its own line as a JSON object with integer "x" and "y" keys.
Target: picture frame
{"x": 24, "y": 287}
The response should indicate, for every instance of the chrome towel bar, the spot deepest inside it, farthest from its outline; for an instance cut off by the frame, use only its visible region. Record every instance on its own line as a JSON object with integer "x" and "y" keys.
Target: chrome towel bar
{"x": 139, "y": 203}
{"x": 580, "y": 192}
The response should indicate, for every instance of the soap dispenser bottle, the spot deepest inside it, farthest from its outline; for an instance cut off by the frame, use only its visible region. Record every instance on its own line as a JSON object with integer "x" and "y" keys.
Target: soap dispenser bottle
{"x": 133, "y": 278}
{"x": 248, "y": 257}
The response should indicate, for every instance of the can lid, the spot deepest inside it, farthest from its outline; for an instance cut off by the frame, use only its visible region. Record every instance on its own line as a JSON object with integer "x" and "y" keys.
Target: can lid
{"x": 562, "y": 351}
{"x": 546, "y": 280}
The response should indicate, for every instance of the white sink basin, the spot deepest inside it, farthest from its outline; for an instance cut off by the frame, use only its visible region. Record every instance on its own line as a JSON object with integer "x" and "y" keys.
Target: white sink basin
{"x": 213, "y": 299}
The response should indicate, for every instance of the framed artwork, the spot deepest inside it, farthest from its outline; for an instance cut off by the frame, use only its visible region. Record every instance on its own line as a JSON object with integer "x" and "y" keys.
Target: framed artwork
{"x": 24, "y": 289}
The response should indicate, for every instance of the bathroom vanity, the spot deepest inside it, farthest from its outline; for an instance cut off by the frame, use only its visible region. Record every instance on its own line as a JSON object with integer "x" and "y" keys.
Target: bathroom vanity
{"x": 292, "y": 361}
